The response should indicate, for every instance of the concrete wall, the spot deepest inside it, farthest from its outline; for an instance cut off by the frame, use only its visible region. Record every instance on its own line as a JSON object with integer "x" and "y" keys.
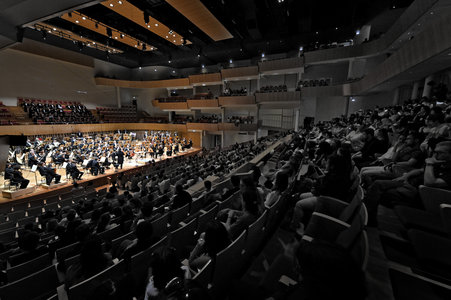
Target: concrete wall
{"x": 28, "y": 75}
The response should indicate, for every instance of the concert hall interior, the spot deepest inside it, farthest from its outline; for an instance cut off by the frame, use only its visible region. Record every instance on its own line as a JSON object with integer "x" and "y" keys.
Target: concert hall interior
{"x": 225, "y": 149}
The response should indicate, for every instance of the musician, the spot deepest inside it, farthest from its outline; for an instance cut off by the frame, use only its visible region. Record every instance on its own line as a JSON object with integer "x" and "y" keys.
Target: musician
{"x": 120, "y": 157}
{"x": 15, "y": 176}
{"x": 32, "y": 159}
{"x": 95, "y": 167}
{"x": 72, "y": 169}
{"x": 48, "y": 173}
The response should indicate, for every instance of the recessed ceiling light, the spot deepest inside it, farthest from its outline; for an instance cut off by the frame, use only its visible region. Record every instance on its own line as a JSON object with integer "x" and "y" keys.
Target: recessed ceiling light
{"x": 156, "y": 24}
{"x": 263, "y": 54}
{"x": 155, "y": 70}
{"x": 203, "y": 84}
{"x": 115, "y": 37}
{"x": 111, "y": 4}
{"x": 148, "y": 26}
{"x": 120, "y": 2}
{"x": 357, "y": 32}
{"x": 54, "y": 28}
{"x": 166, "y": 36}
{"x": 136, "y": 45}
{"x": 94, "y": 43}
{"x": 84, "y": 18}
{"x": 230, "y": 61}
{"x": 173, "y": 71}
{"x": 336, "y": 28}
{"x": 76, "y": 21}
{"x": 203, "y": 66}
{"x": 174, "y": 41}
{"x": 140, "y": 68}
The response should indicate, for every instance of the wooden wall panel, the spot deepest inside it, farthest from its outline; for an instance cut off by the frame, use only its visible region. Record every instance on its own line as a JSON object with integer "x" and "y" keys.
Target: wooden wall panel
{"x": 281, "y": 64}
{"x": 169, "y": 83}
{"x": 202, "y": 126}
{"x": 278, "y": 97}
{"x": 172, "y": 105}
{"x": 228, "y": 127}
{"x": 236, "y": 100}
{"x": 72, "y": 128}
{"x": 239, "y": 72}
{"x": 194, "y": 136}
{"x": 203, "y": 103}
{"x": 201, "y": 78}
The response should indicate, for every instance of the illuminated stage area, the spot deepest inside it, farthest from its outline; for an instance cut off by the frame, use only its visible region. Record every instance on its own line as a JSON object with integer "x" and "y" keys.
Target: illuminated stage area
{"x": 37, "y": 188}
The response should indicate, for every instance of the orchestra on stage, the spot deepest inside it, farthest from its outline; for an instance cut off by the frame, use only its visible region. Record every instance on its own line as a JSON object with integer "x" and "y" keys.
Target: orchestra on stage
{"x": 78, "y": 154}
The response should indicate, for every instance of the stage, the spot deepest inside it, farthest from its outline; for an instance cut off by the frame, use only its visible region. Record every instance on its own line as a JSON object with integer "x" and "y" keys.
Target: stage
{"x": 41, "y": 191}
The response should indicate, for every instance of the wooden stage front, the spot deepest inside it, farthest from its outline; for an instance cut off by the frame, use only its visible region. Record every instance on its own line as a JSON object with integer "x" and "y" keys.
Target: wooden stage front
{"x": 100, "y": 180}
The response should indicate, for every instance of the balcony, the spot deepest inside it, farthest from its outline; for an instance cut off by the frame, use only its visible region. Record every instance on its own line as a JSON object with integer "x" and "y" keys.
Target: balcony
{"x": 281, "y": 66}
{"x": 205, "y": 79}
{"x": 278, "y": 97}
{"x": 196, "y": 103}
{"x": 244, "y": 73}
{"x": 236, "y": 100}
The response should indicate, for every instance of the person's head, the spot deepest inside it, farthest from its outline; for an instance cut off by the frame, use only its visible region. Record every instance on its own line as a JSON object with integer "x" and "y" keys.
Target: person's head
{"x": 92, "y": 258}
{"x": 329, "y": 272}
{"x": 369, "y": 134}
{"x": 144, "y": 231}
{"x": 442, "y": 151}
{"x": 337, "y": 164}
{"x": 29, "y": 241}
{"x": 82, "y": 232}
{"x": 235, "y": 180}
{"x": 433, "y": 120}
{"x": 178, "y": 188}
{"x": 165, "y": 265}
{"x": 246, "y": 183}
{"x": 216, "y": 237}
{"x": 104, "y": 221}
{"x": 250, "y": 201}
{"x": 207, "y": 185}
{"x": 412, "y": 139}
{"x": 256, "y": 173}
{"x": 147, "y": 209}
{"x": 281, "y": 183}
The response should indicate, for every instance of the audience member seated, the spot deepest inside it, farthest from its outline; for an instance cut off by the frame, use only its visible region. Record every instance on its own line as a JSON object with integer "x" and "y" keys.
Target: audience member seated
{"x": 273, "y": 89}
{"x": 181, "y": 198}
{"x": 211, "y": 242}
{"x": 240, "y": 120}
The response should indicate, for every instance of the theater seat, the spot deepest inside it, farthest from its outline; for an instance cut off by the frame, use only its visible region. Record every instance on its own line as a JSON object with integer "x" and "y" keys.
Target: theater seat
{"x": 419, "y": 219}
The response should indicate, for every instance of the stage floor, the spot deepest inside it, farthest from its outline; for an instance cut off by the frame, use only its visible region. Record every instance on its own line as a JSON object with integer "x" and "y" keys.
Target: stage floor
{"x": 40, "y": 190}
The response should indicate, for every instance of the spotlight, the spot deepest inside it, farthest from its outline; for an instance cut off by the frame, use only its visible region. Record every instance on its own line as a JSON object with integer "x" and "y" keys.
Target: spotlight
{"x": 203, "y": 66}
{"x": 140, "y": 67}
{"x": 169, "y": 61}
{"x": 171, "y": 31}
{"x": 301, "y": 48}
{"x": 122, "y": 35}
{"x": 263, "y": 55}
{"x": 84, "y": 18}
{"x": 357, "y": 32}
{"x": 146, "y": 17}
{"x": 230, "y": 61}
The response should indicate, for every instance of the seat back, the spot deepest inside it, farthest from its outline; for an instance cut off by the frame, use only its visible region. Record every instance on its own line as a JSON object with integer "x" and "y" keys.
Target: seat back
{"x": 229, "y": 202}
{"x": 84, "y": 289}
{"x": 206, "y": 217}
{"x": 160, "y": 226}
{"x": 433, "y": 197}
{"x": 196, "y": 205}
{"x": 41, "y": 284}
{"x": 111, "y": 233}
{"x": 348, "y": 236}
{"x": 203, "y": 277}
{"x": 19, "y": 271}
{"x": 116, "y": 243}
{"x": 179, "y": 215}
{"x": 61, "y": 253}
{"x": 183, "y": 236}
{"x": 228, "y": 263}
{"x": 256, "y": 234}
{"x": 348, "y": 212}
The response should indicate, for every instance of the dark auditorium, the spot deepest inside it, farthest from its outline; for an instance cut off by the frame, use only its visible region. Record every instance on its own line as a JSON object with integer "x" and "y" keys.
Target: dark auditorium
{"x": 225, "y": 150}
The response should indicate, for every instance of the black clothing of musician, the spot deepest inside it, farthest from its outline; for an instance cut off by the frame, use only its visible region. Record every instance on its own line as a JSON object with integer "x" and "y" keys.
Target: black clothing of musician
{"x": 71, "y": 169}
{"x": 16, "y": 177}
{"x": 49, "y": 174}
{"x": 120, "y": 157}
{"x": 95, "y": 167}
